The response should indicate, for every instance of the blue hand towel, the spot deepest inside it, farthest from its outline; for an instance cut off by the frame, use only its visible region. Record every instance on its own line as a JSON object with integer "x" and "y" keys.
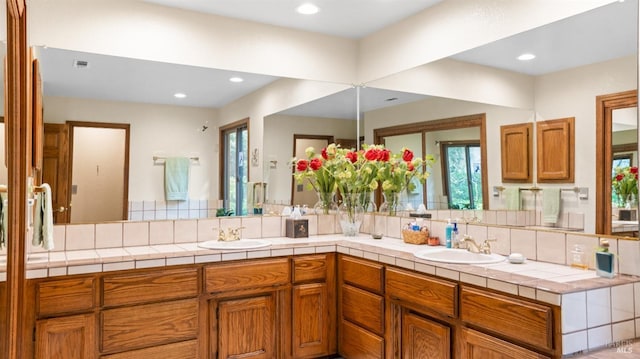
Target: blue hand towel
{"x": 176, "y": 178}
{"x": 550, "y": 205}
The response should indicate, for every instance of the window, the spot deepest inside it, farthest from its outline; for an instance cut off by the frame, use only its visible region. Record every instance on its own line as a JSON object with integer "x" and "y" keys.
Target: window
{"x": 619, "y": 161}
{"x": 462, "y": 174}
{"x": 235, "y": 172}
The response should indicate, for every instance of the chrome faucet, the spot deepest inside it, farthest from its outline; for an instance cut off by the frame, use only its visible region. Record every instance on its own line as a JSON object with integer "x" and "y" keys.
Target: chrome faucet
{"x": 473, "y": 247}
{"x": 232, "y": 234}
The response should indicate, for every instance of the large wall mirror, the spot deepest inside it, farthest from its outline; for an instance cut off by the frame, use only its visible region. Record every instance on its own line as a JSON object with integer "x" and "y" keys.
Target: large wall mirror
{"x": 478, "y": 81}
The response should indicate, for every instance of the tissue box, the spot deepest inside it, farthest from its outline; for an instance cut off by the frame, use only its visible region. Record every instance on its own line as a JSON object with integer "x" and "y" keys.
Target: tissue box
{"x": 628, "y": 215}
{"x": 297, "y": 228}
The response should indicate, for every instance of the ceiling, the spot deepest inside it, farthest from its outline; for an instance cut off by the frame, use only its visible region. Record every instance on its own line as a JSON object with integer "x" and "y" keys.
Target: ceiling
{"x": 611, "y": 31}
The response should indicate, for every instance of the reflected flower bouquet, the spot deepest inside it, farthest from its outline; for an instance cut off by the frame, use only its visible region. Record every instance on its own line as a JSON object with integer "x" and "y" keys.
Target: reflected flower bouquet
{"x": 625, "y": 182}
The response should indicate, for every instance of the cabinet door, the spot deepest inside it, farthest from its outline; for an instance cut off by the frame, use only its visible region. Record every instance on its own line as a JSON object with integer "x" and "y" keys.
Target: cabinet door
{"x": 424, "y": 339}
{"x": 555, "y": 146}
{"x": 72, "y": 337}
{"x": 311, "y": 320}
{"x": 517, "y": 154}
{"x": 479, "y": 345}
{"x": 247, "y": 328}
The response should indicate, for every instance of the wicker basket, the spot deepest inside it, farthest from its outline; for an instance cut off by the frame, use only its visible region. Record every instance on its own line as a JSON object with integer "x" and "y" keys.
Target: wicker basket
{"x": 415, "y": 237}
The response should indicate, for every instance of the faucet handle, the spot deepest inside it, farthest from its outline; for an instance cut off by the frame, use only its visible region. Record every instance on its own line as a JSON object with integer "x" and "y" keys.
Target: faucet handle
{"x": 485, "y": 247}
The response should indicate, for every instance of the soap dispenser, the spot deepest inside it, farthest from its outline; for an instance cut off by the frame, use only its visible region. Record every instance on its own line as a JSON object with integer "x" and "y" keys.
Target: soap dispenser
{"x": 605, "y": 261}
{"x": 448, "y": 233}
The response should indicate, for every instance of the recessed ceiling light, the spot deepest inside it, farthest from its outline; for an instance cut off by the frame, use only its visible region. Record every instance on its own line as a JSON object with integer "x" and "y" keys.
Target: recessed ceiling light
{"x": 526, "y": 57}
{"x": 179, "y": 95}
{"x": 307, "y": 9}
{"x": 236, "y": 79}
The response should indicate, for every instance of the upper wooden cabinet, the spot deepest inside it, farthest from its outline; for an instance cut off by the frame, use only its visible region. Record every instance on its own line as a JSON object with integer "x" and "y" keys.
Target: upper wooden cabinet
{"x": 517, "y": 148}
{"x": 555, "y": 150}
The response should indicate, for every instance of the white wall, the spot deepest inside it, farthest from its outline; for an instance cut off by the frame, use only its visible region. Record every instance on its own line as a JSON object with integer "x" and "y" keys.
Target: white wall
{"x": 155, "y": 130}
{"x": 278, "y": 145}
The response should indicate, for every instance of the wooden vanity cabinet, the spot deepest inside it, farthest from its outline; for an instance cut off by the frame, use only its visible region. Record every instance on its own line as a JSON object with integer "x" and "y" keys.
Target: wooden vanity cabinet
{"x": 314, "y": 306}
{"x": 361, "y": 308}
{"x": 150, "y": 311}
{"x": 247, "y": 307}
{"x": 65, "y": 318}
{"x": 420, "y": 315}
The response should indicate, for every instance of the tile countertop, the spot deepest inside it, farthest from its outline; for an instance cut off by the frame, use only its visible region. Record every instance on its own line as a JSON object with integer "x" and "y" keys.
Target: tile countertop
{"x": 535, "y": 280}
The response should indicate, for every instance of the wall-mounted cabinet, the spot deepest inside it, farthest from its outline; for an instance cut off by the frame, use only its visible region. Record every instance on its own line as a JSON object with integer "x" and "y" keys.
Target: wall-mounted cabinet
{"x": 555, "y": 150}
{"x": 517, "y": 152}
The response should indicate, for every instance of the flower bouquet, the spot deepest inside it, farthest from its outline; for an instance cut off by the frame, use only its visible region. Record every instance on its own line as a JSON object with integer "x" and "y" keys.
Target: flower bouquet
{"x": 625, "y": 185}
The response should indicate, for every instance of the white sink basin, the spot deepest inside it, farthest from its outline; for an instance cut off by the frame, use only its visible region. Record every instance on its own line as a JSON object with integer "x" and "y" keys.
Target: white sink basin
{"x": 239, "y": 244}
{"x": 458, "y": 256}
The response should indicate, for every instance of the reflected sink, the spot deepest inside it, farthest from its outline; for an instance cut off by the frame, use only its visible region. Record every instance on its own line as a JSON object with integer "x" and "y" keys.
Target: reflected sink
{"x": 458, "y": 256}
{"x": 239, "y": 244}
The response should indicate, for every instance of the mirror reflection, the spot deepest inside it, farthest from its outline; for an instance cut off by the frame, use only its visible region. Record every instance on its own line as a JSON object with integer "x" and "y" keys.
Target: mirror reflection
{"x": 466, "y": 84}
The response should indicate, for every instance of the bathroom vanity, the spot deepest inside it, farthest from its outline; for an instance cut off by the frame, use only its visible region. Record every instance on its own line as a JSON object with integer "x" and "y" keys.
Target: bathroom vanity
{"x": 298, "y": 298}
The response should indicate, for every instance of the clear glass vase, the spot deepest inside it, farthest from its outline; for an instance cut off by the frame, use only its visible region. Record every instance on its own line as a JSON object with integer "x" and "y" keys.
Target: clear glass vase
{"x": 350, "y": 214}
{"x": 366, "y": 201}
{"x": 391, "y": 203}
{"x": 326, "y": 203}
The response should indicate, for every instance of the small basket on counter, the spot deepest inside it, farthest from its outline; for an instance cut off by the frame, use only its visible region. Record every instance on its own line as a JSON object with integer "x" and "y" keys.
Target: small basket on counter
{"x": 412, "y": 236}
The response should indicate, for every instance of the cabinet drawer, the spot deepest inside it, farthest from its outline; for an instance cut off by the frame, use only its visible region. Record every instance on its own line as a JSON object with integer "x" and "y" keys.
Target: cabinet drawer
{"x": 182, "y": 350}
{"x": 65, "y": 296}
{"x": 359, "y": 343}
{"x": 150, "y": 286}
{"x": 363, "y": 274}
{"x": 430, "y": 293}
{"x": 245, "y": 275}
{"x": 310, "y": 268}
{"x": 364, "y": 308}
{"x": 147, "y": 325}
{"x": 521, "y": 320}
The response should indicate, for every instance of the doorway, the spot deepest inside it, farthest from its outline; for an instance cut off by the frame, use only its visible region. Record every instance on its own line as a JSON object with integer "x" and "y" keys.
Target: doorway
{"x": 87, "y": 166}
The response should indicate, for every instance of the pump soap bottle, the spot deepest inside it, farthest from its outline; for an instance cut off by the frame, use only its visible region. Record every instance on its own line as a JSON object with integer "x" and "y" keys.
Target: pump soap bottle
{"x": 448, "y": 233}
{"x": 605, "y": 261}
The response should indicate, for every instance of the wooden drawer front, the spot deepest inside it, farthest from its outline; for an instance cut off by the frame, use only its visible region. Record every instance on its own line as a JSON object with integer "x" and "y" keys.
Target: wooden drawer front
{"x": 474, "y": 345}
{"x": 150, "y": 287}
{"x": 148, "y": 325}
{"x": 431, "y": 293}
{"x": 244, "y": 275}
{"x": 182, "y": 350}
{"x": 359, "y": 343}
{"x": 310, "y": 268}
{"x": 364, "y": 308}
{"x": 363, "y": 274}
{"x": 65, "y": 296}
{"x": 528, "y": 322}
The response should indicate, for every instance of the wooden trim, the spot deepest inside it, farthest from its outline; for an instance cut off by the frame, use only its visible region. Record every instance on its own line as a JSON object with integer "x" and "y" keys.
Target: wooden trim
{"x": 625, "y": 147}
{"x": 452, "y": 123}
{"x": 38, "y": 123}
{"x": 17, "y": 120}
{"x": 605, "y": 104}
{"x": 124, "y": 126}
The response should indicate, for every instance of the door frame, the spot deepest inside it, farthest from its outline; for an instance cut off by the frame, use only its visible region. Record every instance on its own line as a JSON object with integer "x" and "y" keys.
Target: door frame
{"x": 605, "y": 104}
{"x": 108, "y": 125}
